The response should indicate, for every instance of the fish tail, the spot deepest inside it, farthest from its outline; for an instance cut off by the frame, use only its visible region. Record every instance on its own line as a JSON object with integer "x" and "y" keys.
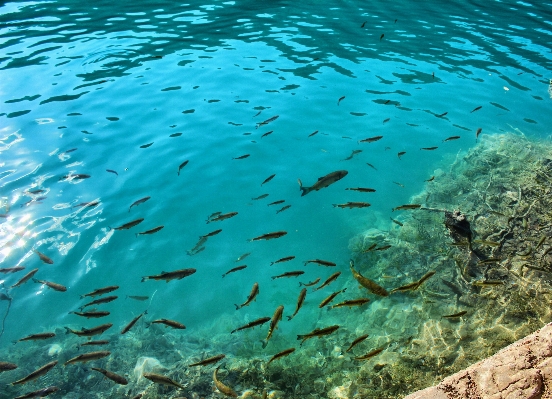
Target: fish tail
{"x": 289, "y": 317}
{"x": 304, "y": 190}
{"x": 68, "y": 330}
{"x": 237, "y": 308}
{"x": 264, "y": 342}
{"x": 136, "y": 234}
{"x": 144, "y": 279}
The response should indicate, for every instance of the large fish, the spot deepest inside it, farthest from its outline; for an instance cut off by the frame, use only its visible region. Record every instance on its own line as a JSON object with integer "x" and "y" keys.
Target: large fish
{"x": 367, "y": 283}
{"x": 323, "y": 181}
{"x": 223, "y": 388}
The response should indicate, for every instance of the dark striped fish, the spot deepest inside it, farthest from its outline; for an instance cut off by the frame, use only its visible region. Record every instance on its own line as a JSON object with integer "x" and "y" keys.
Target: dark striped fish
{"x": 151, "y": 231}
{"x": 37, "y": 373}
{"x": 209, "y": 360}
{"x": 280, "y": 355}
{"x": 129, "y": 224}
{"x": 138, "y": 202}
{"x": 235, "y": 269}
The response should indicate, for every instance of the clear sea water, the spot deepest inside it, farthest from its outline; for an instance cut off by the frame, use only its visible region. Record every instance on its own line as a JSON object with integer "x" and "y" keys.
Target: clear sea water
{"x": 104, "y": 79}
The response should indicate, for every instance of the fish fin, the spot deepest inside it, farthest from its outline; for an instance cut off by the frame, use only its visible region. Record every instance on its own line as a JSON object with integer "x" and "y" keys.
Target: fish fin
{"x": 304, "y": 190}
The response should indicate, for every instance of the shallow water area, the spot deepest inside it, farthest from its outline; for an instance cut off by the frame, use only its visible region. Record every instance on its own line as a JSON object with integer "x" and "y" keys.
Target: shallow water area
{"x": 130, "y": 134}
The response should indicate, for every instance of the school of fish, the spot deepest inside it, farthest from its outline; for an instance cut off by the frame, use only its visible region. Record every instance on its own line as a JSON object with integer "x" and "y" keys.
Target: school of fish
{"x": 369, "y": 290}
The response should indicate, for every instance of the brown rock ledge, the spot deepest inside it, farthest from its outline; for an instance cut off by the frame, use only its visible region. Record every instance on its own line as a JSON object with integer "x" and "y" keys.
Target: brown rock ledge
{"x": 521, "y": 370}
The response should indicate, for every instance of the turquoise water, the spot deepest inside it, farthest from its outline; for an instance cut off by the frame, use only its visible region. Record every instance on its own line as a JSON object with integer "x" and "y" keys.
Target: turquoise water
{"x": 105, "y": 80}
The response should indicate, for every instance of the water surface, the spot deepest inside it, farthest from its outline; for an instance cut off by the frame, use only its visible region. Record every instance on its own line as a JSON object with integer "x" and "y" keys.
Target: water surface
{"x": 139, "y": 89}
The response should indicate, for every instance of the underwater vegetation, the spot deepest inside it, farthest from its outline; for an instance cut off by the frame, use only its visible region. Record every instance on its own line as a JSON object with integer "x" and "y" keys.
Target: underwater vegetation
{"x": 462, "y": 271}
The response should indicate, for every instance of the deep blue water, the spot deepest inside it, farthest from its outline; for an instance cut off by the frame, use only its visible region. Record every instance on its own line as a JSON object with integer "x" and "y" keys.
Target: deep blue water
{"x": 106, "y": 79}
